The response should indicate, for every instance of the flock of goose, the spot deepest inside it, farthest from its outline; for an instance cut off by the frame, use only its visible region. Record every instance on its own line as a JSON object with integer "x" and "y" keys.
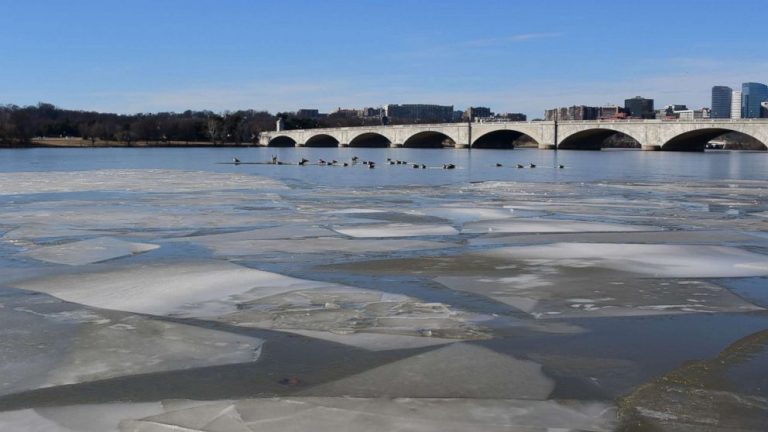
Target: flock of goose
{"x": 370, "y": 164}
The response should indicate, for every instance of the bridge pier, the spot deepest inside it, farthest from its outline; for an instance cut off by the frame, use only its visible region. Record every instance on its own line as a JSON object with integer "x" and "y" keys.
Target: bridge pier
{"x": 650, "y": 147}
{"x": 547, "y": 147}
{"x": 461, "y": 146}
{"x": 395, "y": 145}
{"x": 343, "y": 144}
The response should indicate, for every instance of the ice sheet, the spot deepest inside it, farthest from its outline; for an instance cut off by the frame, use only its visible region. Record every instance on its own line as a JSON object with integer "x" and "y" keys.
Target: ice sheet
{"x": 647, "y": 259}
{"x": 548, "y": 226}
{"x": 564, "y": 295}
{"x": 395, "y": 230}
{"x": 320, "y": 245}
{"x": 203, "y": 288}
{"x": 319, "y": 414}
{"x": 347, "y": 311}
{"x": 129, "y": 180}
{"x": 89, "y": 251}
{"x": 137, "y": 345}
{"x": 466, "y": 214}
{"x": 460, "y": 370}
{"x": 77, "y": 418}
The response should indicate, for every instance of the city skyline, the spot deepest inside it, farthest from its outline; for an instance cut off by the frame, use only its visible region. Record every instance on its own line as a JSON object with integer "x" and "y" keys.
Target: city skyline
{"x": 148, "y": 57}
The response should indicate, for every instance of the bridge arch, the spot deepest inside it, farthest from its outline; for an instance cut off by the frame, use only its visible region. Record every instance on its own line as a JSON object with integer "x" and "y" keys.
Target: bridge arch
{"x": 282, "y": 141}
{"x": 696, "y": 140}
{"x": 595, "y": 139}
{"x": 322, "y": 140}
{"x": 501, "y": 139}
{"x": 429, "y": 139}
{"x": 370, "y": 139}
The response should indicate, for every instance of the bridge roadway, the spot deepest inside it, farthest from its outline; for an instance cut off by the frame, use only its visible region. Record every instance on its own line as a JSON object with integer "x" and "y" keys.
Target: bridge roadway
{"x": 677, "y": 135}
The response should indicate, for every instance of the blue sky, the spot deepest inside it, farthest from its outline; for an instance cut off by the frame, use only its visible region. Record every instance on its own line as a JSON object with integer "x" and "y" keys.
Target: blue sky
{"x": 171, "y": 55}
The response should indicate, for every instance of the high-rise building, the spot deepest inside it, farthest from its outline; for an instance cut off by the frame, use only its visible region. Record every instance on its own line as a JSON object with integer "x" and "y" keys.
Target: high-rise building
{"x": 420, "y": 112}
{"x": 752, "y": 95}
{"x": 736, "y": 104}
{"x": 721, "y": 102}
{"x": 640, "y": 107}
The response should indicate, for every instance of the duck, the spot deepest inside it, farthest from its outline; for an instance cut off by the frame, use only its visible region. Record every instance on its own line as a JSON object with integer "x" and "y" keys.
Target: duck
{"x": 346, "y": 164}
{"x": 561, "y": 166}
{"x": 415, "y": 165}
{"x": 392, "y": 162}
{"x": 532, "y": 165}
{"x": 235, "y": 160}
{"x": 274, "y": 160}
{"x": 354, "y": 159}
{"x": 449, "y": 166}
{"x": 371, "y": 165}
{"x": 321, "y": 162}
{"x": 498, "y": 164}
{"x": 303, "y": 161}
{"x": 423, "y": 166}
{"x": 520, "y": 165}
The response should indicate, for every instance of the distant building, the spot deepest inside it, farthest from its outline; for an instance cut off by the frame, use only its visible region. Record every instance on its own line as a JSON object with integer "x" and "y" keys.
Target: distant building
{"x": 670, "y": 111}
{"x": 736, "y": 104}
{"x": 640, "y": 107}
{"x": 511, "y": 117}
{"x": 308, "y": 113}
{"x": 611, "y": 112}
{"x": 371, "y": 112}
{"x": 419, "y": 112}
{"x": 346, "y": 112}
{"x": 687, "y": 114}
{"x": 764, "y": 110}
{"x": 576, "y": 112}
{"x": 752, "y": 95}
{"x": 721, "y": 102}
{"x": 458, "y": 115}
{"x": 471, "y": 113}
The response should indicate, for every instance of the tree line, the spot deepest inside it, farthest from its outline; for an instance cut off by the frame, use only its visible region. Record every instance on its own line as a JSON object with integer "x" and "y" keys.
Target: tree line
{"x": 25, "y": 125}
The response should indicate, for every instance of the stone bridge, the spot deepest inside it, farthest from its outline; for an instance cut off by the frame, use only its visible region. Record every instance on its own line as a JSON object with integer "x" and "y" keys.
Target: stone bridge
{"x": 676, "y": 135}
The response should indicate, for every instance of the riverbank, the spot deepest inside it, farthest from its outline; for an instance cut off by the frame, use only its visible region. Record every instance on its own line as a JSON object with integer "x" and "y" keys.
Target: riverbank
{"x": 79, "y": 142}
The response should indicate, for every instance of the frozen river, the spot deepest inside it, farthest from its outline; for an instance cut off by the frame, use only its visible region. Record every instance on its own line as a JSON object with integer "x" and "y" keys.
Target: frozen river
{"x": 168, "y": 289}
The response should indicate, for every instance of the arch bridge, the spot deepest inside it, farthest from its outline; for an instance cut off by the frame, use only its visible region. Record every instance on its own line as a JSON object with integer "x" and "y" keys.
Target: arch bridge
{"x": 672, "y": 135}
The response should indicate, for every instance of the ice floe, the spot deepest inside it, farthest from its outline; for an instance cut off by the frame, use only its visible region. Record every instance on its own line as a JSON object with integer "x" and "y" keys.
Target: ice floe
{"x": 320, "y": 414}
{"x": 138, "y": 345}
{"x": 89, "y": 251}
{"x": 460, "y": 370}
{"x": 196, "y": 289}
{"x": 319, "y": 245}
{"x": 344, "y": 310}
{"x": 646, "y": 259}
{"x": 548, "y": 226}
{"x": 395, "y": 230}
